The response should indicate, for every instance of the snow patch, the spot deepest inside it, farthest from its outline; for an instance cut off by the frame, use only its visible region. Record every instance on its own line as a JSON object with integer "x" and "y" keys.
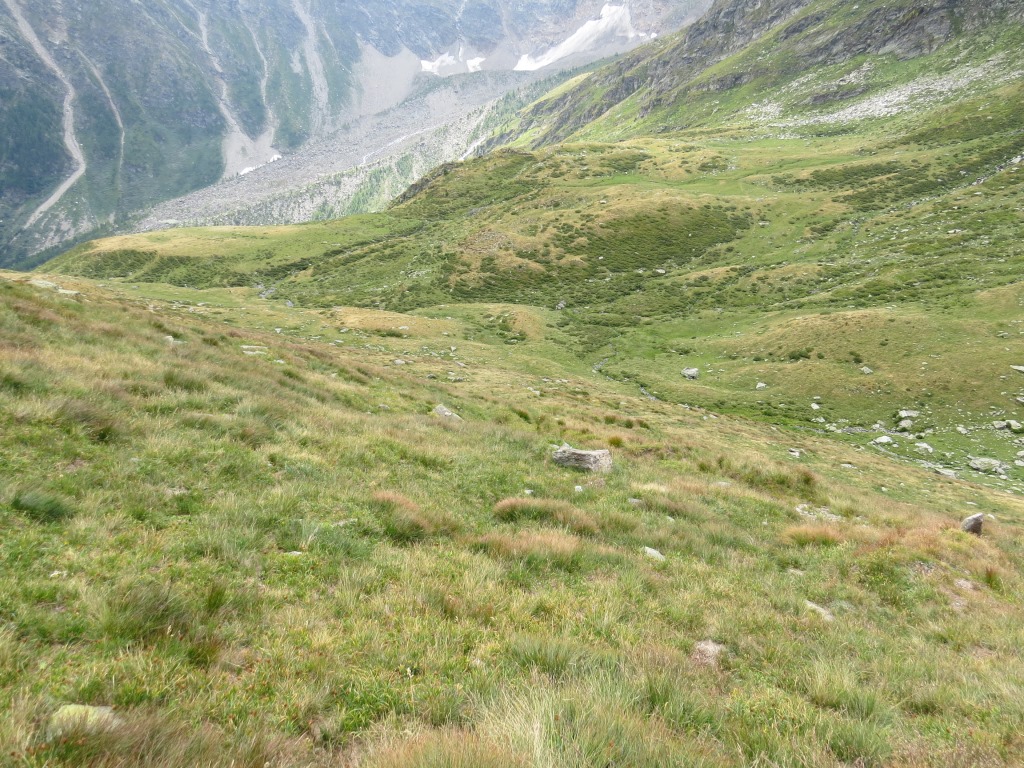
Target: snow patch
{"x": 273, "y": 159}
{"x": 615, "y": 22}
{"x": 475, "y": 65}
{"x": 441, "y": 62}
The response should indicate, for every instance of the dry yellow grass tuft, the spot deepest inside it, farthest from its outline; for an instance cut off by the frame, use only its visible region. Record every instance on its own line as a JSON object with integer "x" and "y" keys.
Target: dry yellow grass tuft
{"x": 546, "y": 510}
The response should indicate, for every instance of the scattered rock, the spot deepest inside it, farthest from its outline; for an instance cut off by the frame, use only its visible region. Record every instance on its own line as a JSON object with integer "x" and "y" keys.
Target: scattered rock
{"x": 1015, "y": 426}
{"x": 691, "y": 373}
{"x": 654, "y": 554}
{"x": 866, "y": 371}
{"x": 761, "y": 385}
{"x": 445, "y": 413}
{"x": 43, "y": 284}
{"x": 398, "y": 362}
{"x": 923, "y": 448}
{"x": 945, "y": 472}
{"x": 999, "y": 425}
{"x": 825, "y": 613}
{"x": 635, "y": 502}
{"x": 794, "y": 452}
{"x": 821, "y": 513}
{"x": 908, "y": 414}
{"x": 963, "y": 430}
{"x": 579, "y": 489}
{"x": 993, "y": 466}
{"x": 973, "y": 524}
{"x": 591, "y": 461}
{"x": 707, "y": 653}
{"x": 883, "y": 440}
{"x": 964, "y": 584}
{"x": 905, "y": 426}
{"x": 1018, "y": 368}
{"x": 81, "y": 719}
{"x": 560, "y": 306}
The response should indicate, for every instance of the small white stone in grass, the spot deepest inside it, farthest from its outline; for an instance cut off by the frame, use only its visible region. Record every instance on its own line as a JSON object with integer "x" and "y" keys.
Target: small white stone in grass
{"x": 579, "y": 489}
{"x": 79, "y": 718}
{"x": 528, "y": 492}
{"x": 654, "y": 554}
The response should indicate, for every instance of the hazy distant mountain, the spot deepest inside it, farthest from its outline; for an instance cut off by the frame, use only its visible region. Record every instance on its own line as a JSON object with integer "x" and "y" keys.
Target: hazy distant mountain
{"x": 108, "y": 106}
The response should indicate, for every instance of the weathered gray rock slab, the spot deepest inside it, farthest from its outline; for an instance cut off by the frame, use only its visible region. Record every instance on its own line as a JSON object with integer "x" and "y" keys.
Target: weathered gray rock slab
{"x": 446, "y": 413}
{"x": 691, "y": 373}
{"x": 590, "y": 461}
{"x": 973, "y": 524}
{"x": 988, "y": 465}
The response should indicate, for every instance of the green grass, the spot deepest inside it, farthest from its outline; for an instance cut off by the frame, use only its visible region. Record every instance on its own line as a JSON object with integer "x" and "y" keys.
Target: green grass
{"x": 228, "y": 511}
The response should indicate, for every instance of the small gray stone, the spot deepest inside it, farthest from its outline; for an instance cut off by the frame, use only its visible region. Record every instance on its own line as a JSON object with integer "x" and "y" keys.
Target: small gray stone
{"x": 883, "y": 440}
{"x": 707, "y": 653}
{"x": 825, "y": 613}
{"x": 761, "y": 385}
{"x": 905, "y": 426}
{"x": 654, "y": 554}
{"x": 691, "y": 373}
{"x": 866, "y": 371}
{"x": 973, "y": 524}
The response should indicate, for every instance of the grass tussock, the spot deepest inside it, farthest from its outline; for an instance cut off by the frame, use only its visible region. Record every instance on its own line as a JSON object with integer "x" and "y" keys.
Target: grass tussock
{"x": 404, "y": 522}
{"x": 538, "y": 545}
{"x": 517, "y": 509}
{"x": 41, "y": 507}
{"x": 446, "y": 749}
{"x": 97, "y": 422}
{"x": 158, "y": 740}
{"x": 818, "y": 535}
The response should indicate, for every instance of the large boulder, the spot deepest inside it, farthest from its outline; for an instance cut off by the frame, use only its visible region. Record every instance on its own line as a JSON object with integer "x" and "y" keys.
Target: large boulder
{"x": 589, "y": 461}
{"x": 973, "y": 524}
{"x": 993, "y": 466}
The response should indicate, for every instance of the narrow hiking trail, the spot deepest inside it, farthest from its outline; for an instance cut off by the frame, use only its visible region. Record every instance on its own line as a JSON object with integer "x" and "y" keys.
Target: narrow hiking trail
{"x": 70, "y": 139}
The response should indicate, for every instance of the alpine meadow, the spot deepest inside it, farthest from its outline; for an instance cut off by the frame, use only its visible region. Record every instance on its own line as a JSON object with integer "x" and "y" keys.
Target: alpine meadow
{"x": 680, "y": 423}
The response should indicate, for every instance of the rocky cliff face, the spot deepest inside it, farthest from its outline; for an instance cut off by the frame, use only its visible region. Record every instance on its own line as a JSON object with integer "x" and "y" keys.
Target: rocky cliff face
{"x": 811, "y": 33}
{"x": 108, "y": 106}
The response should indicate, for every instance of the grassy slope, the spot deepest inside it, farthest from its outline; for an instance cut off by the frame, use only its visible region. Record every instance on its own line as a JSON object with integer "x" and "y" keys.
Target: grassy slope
{"x": 791, "y": 249}
{"x": 171, "y": 540}
{"x": 286, "y": 557}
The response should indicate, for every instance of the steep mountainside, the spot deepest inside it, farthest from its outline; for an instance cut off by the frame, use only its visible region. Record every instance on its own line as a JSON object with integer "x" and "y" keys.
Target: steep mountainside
{"x": 762, "y": 42}
{"x": 108, "y": 106}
